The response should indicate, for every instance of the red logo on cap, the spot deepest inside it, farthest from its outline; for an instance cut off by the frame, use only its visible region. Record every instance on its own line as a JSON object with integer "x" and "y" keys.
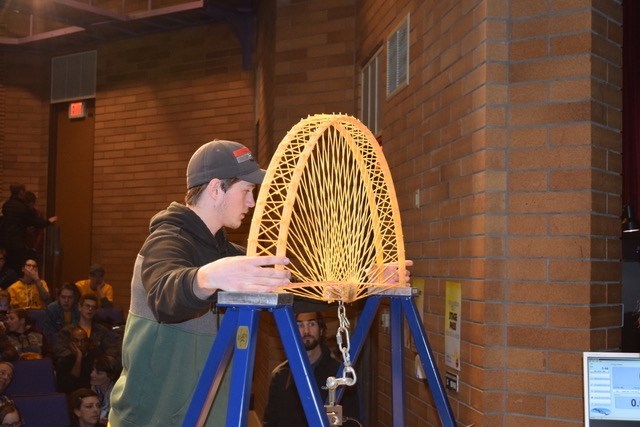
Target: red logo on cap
{"x": 242, "y": 154}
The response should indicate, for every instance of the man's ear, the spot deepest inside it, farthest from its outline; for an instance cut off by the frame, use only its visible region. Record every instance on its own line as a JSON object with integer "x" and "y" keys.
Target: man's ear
{"x": 214, "y": 188}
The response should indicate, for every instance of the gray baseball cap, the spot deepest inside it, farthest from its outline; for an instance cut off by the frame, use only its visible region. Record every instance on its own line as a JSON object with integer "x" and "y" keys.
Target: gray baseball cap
{"x": 223, "y": 159}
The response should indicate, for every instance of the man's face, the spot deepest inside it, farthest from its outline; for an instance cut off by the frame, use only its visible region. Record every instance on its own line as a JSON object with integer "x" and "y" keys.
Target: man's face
{"x": 309, "y": 330}
{"x": 88, "y": 309}
{"x": 30, "y": 269}
{"x": 14, "y": 323}
{"x": 65, "y": 299}
{"x": 89, "y": 410}
{"x": 237, "y": 202}
{"x": 6, "y": 374}
{"x": 96, "y": 280}
{"x": 79, "y": 338}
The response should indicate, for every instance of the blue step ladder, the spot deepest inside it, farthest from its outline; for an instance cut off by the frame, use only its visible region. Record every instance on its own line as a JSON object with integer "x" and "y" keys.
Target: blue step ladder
{"x": 237, "y": 337}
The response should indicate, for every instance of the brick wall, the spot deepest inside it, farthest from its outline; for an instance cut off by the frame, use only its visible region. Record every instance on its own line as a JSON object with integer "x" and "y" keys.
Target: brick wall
{"x": 25, "y": 124}
{"x": 509, "y": 132}
{"x": 314, "y": 69}
{"x": 159, "y": 98}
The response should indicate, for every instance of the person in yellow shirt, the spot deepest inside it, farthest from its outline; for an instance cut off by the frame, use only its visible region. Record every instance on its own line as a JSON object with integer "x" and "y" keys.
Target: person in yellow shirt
{"x": 30, "y": 291}
{"x": 96, "y": 285}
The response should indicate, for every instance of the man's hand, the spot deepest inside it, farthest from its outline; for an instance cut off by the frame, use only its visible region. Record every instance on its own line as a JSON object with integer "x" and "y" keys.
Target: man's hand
{"x": 389, "y": 273}
{"x": 242, "y": 274}
{"x": 32, "y": 273}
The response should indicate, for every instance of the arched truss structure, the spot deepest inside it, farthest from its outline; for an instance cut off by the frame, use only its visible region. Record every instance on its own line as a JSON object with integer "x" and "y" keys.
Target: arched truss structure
{"x": 328, "y": 203}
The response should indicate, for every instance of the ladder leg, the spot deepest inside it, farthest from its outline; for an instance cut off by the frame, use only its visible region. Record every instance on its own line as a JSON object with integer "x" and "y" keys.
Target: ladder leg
{"x": 300, "y": 367}
{"x": 397, "y": 362}
{"x": 426, "y": 355}
{"x": 212, "y": 372}
{"x": 242, "y": 367}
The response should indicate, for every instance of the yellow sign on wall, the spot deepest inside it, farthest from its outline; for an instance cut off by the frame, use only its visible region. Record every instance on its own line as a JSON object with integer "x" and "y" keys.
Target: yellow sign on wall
{"x": 452, "y": 322}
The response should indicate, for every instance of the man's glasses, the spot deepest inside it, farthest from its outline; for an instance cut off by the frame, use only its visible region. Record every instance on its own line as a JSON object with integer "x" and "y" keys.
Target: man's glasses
{"x": 6, "y": 374}
{"x": 90, "y": 307}
{"x": 31, "y": 265}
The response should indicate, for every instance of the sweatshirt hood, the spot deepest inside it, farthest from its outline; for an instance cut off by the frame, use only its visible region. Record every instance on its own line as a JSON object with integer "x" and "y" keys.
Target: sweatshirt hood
{"x": 177, "y": 215}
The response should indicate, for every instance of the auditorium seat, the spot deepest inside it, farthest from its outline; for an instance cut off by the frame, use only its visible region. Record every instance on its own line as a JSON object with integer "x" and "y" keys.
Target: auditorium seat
{"x": 36, "y": 318}
{"x": 32, "y": 377}
{"x": 43, "y": 410}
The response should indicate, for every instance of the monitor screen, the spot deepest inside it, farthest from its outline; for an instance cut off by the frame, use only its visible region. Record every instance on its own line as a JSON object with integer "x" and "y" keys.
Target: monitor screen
{"x": 611, "y": 389}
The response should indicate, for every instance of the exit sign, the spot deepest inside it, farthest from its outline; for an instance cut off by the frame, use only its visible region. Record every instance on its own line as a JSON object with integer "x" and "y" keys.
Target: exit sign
{"x": 78, "y": 110}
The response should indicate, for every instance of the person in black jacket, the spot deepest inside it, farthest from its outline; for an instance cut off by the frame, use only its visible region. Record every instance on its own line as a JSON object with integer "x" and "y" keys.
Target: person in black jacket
{"x": 17, "y": 216}
{"x": 184, "y": 262}
{"x": 8, "y": 276}
{"x": 284, "y": 407}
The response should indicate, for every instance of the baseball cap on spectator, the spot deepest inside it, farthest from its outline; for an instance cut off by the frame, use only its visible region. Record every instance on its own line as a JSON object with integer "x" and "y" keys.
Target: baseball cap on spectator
{"x": 96, "y": 270}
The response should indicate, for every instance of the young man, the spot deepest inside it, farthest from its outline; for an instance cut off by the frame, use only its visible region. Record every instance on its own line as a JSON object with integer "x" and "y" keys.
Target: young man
{"x": 62, "y": 312}
{"x": 183, "y": 263}
{"x": 31, "y": 291}
{"x": 105, "y": 341}
{"x": 95, "y": 284}
{"x": 284, "y": 407}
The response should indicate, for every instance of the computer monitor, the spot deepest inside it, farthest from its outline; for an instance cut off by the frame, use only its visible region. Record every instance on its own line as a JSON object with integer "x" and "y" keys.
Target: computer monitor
{"x": 611, "y": 389}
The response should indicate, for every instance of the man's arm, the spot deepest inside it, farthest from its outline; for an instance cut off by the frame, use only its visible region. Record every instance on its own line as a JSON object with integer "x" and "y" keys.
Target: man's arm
{"x": 178, "y": 290}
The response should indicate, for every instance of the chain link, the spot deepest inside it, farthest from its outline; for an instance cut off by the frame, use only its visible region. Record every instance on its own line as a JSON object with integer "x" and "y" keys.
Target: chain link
{"x": 348, "y": 374}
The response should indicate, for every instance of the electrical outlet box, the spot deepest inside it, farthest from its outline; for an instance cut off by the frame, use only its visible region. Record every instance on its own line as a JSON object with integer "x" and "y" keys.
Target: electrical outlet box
{"x": 451, "y": 381}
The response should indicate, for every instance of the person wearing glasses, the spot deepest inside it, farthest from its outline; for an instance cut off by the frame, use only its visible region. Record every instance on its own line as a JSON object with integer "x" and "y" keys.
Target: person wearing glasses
{"x": 104, "y": 340}
{"x": 73, "y": 359}
{"x": 30, "y": 291}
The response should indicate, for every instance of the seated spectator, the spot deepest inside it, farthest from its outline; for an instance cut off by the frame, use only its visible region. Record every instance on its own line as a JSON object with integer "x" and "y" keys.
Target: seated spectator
{"x": 5, "y": 305}
{"x": 95, "y": 284}
{"x": 8, "y": 352}
{"x": 84, "y": 407}
{"x": 30, "y": 291}
{"x": 6, "y": 375}
{"x": 62, "y": 312}
{"x": 73, "y": 359}
{"x": 106, "y": 370}
{"x": 104, "y": 340}
{"x": 10, "y": 416}
{"x": 30, "y": 344}
{"x": 8, "y": 276}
